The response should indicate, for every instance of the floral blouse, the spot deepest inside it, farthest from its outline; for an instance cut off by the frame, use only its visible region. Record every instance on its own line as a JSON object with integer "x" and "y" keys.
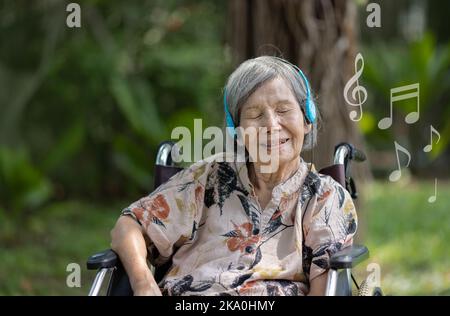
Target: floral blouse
{"x": 208, "y": 220}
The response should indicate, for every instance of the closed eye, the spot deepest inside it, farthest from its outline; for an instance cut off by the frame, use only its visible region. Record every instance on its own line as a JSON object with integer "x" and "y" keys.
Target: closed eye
{"x": 254, "y": 115}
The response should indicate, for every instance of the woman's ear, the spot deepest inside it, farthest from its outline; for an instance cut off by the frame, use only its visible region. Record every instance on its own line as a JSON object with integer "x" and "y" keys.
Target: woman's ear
{"x": 308, "y": 128}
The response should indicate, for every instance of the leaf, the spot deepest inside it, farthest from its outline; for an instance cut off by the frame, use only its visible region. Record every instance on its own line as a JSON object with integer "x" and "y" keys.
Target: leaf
{"x": 307, "y": 254}
{"x": 181, "y": 285}
{"x": 221, "y": 184}
{"x": 226, "y": 182}
{"x": 351, "y": 227}
{"x": 194, "y": 230}
{"x": 341, "y": 195}
{"x": 334, "y": 247}
{"x": 241, "y": 279}
{"x": 249, "y": 211}
{"x": 193, "y": 209}
{"x": 201, "y": 286}
{"x": 209, "y": 197}
{"x": 157, "y": 221}
{"x": 258, "y": 257}
{"x": 288, "y": 287}
{"x": 320, "y": 251}
{"x": 233, "y": 233}
{"x": 245, "y": 204}
{"x": 273, "y": 225}
{"x": 272, "y": 289}
{"x": 180, "y": 204}
{"x": 199, "y": 172}
{"x": 184, "y": 186}
{"x": 322, "y": 263}
{"x": 326, "y": 215}
{"x": 310, "y": 187}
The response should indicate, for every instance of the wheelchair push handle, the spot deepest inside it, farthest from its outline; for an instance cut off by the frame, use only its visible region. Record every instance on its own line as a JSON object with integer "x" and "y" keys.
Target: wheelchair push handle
{"x": 344, "y": 152}
{"x": 359, "y": 155}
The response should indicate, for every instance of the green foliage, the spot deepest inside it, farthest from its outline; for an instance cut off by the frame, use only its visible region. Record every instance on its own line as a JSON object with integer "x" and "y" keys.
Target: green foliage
{"x": 22, "y": 185}
{"x": 68, "y": 144}
{"x": 132, "y": 161}
{"x": 90, "y": 105}
{"x": 137, "y": 105}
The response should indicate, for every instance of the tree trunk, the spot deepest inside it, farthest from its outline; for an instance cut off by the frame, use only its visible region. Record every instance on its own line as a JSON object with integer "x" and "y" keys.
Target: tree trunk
{"x": 320, "y": 37}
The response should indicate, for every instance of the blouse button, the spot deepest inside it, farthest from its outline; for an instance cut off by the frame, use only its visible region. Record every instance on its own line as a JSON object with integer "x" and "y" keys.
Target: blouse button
{"x": 256, "y": 231}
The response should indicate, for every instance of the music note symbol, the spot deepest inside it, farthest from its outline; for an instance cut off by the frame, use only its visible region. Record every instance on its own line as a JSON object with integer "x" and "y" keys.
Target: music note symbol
{"x": 432, "y": 198}
{"x": 429, "y": 147}
{"x": 398, "y": 94}
{"x": 396, "y": 174}
{"x": 356, "y": 91}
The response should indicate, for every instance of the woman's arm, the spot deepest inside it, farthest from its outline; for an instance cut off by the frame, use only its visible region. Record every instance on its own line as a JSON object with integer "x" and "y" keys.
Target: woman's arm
{"x": 318, "y": 285}
{"x": 129, "y": 243}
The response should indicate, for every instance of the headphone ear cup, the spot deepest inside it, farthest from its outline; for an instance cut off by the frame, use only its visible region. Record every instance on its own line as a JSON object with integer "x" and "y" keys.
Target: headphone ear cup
{"x": 310, "y": 107}
{"x": 310, "y": 111}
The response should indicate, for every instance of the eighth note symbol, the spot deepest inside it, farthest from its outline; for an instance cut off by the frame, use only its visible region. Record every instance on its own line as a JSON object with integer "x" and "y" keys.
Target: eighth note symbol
{"x": 396, "y": 174}
{"x": 398, "y": 94}
{"x": 429, "y": 147}
{"x": 432, "y": 198}
{"x": 357, "y": 90}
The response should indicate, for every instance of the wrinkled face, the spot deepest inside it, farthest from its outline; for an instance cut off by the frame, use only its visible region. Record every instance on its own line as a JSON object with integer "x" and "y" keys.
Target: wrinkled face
{"x": 275, "y": 113}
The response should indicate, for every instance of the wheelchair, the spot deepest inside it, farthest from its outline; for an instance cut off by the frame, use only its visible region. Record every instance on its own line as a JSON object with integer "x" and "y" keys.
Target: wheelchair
{"x": 339, "y": 282}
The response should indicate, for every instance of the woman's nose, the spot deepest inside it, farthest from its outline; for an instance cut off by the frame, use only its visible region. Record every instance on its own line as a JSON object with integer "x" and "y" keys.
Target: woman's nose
{"x": 271, "y": 121}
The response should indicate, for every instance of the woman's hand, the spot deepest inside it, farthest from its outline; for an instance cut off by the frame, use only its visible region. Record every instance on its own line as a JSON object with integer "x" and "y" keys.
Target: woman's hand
{"x": 146, "y": 287}
{"x": 318, "y": 285}
{"x": 129, "y": 243}
{"x": 147, "y": 291}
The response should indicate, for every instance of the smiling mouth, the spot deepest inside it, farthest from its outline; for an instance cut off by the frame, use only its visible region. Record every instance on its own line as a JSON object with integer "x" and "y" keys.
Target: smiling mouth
{"x": 279, "y": 144}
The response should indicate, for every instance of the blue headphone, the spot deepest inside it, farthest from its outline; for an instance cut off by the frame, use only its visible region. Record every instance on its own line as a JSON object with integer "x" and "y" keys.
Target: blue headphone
{"x": 310, "y": 107}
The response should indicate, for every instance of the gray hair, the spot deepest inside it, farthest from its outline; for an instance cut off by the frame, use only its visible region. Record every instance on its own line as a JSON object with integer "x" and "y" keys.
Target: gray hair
{"x": 253, "y": 73}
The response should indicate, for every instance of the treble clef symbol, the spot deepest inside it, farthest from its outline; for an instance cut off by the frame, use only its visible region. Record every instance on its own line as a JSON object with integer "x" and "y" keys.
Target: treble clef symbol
{"x": 356, "y": 91}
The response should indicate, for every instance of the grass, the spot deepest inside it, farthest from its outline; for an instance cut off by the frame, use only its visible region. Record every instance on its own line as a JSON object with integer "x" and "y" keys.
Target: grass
{"x": 62, "y": 233}
{"x": 407, "y": 237}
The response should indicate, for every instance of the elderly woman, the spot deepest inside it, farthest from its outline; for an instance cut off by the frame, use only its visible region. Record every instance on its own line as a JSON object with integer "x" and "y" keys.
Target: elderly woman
{"x": 228, "y": 227}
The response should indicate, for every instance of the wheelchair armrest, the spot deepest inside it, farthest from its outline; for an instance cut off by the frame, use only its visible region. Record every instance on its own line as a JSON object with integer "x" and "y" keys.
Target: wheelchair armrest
{"x": 105, "y": 259}
{"x": 349, "y": 257}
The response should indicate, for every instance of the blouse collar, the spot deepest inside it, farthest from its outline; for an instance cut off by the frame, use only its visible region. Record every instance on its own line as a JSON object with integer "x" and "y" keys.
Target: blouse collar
{"x": 283, "y": 189}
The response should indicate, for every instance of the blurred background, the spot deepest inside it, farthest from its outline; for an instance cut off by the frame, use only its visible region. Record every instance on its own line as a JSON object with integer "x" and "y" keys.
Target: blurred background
{"x": 82, "y": 111}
